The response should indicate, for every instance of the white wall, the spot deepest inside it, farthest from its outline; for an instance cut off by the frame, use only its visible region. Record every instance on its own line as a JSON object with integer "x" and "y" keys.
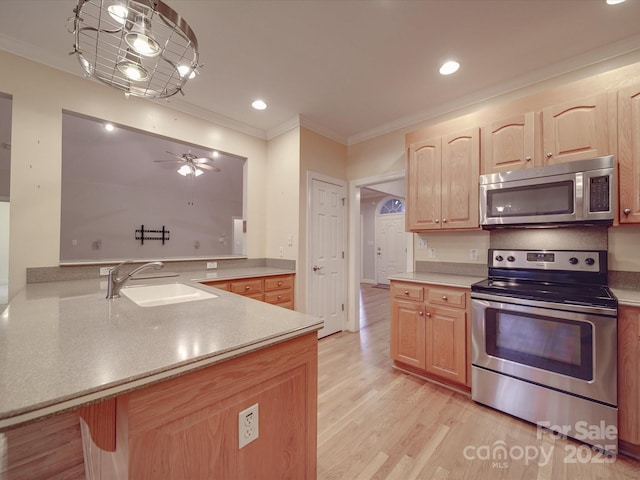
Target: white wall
{"x": 39, "y": 95}
{"x": 4, "y": 242}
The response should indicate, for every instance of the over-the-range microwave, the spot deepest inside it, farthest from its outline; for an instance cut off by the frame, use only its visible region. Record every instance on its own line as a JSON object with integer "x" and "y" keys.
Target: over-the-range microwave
{"x": 579, "y": 192}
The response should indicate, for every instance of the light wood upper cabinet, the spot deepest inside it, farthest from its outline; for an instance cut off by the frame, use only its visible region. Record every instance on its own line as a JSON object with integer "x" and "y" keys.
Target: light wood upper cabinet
{"x": 576, "y": 130}
{"x": 442, "y": 182}
{"x": 423, "y": 185}
{"x": 629, "y": 153}
{"x": 511, "y": 144}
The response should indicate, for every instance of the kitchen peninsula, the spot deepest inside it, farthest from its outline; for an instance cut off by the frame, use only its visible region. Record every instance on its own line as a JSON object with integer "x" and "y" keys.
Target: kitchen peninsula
{"x": 159, "y": 389}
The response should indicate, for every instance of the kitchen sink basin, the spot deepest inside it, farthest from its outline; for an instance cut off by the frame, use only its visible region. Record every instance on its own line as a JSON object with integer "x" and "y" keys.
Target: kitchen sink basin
{"x": 164, "y": 294}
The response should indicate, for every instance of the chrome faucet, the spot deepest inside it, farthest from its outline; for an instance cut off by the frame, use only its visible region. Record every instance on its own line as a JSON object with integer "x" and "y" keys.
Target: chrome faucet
{"x": 115, "y": 282}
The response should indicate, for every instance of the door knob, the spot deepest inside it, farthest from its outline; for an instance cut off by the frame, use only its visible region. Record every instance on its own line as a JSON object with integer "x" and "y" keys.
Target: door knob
{"x": 317, "y": 268}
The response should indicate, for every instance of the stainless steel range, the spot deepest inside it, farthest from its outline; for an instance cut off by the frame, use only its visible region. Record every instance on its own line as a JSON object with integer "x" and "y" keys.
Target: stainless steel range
{"x": 544, "y": 342}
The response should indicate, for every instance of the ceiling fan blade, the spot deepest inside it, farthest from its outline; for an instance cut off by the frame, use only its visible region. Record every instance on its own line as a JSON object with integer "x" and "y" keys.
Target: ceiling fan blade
{"x": 181, "y": 157}
{"x": 169, "y": 161}
{"x": 209, "y": 167}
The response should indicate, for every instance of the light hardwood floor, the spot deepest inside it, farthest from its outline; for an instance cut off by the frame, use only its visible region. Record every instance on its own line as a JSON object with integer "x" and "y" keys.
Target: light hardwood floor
{"x": 375, "y": 422}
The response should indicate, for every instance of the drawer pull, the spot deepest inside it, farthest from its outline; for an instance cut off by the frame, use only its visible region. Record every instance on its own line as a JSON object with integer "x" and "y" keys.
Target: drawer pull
{"x": 279, "y": 297}
{"x": 248, "y": 287}
{"x": 279, "y": 284}
{"x": 444, "y": 297}
{"x": 406, "y": 292}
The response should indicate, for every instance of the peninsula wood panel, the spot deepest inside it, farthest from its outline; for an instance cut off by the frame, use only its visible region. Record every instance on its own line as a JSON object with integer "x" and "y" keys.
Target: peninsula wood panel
{"x": 187, "y": 427}
{"x": 629, "y": 153}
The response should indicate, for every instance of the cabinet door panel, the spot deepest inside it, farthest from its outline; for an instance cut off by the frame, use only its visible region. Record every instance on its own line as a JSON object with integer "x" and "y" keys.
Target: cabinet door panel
{"x": 511, "y": 144}
{"x": 423, "y": 185}
{"x": 629, "y": 153}
{"x": 628, "y": 381}
{"x": 460, "y": 171}
{"x": 446, "y": 347}
{"x": 576, "y": 130}
{"x": 408, "y": 333}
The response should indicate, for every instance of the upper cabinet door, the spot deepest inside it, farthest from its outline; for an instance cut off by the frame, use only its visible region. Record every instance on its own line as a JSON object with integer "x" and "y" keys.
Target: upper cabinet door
{"x": 511, "y": 144}
{"x": 576, "y": 130}
{"x": 629, "y": 153}
{"x": 460, "y": 171}
{"x": 423, "y": 185}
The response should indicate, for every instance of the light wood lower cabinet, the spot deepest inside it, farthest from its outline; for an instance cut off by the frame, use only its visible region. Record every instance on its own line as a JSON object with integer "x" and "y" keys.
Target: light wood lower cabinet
{"x": 187, "y": 427}
{"x": 275, "y": 289}
{"x": 628, "y": 378}
{"x": 429, "y": 331}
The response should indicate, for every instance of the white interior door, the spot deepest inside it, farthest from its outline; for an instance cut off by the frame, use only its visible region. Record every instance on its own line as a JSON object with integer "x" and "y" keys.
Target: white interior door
{"x": 326, "y": 284}
{"x": 391, "y": 248}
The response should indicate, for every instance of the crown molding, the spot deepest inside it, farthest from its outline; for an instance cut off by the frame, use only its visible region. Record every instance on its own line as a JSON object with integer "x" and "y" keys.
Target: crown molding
{"x": 597, "y": 61}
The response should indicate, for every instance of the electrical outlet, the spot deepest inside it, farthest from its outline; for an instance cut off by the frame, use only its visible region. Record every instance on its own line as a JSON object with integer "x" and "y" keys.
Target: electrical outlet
{"x": 432, "y": 253}
{"x": 473, "y": 254}
{"x": 248, "y": 425}
{"x": 104, "y": 271}
{"x": 290, "y": 240}
{"x": 211, "y": 265}
{"x": 282, "y": 251}
{"x": 422, "y": 243}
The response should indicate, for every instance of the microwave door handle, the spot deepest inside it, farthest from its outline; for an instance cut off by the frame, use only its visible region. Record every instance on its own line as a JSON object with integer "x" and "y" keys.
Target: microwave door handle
{"x": 580, "y": 191}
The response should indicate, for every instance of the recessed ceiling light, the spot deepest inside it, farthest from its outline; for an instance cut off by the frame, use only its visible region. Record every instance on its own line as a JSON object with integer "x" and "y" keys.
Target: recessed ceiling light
{"x": 259, "y": 104}
{"x": 614, "y": 2}
{"x": 449, "y": 67}
{"x": 109, "y": 127}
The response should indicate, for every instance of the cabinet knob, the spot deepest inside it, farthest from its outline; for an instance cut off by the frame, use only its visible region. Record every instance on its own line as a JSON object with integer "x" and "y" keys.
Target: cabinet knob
{"x": 406, "y": 292}
{"x": 528, "y": 158}
{"x": 279, "y": 297}
{"x": 437, "y": 220}
{"x": 428, "y": 314}
{"x": 549, "y": 154}
{"x": 420, "y": 313}
{"x": 444, "y": 297}
{"x": 279, "y": 284}
{"x": 247, "y": 287}
{"x": 626, "y": 211}
{"x": 444, "y": 220}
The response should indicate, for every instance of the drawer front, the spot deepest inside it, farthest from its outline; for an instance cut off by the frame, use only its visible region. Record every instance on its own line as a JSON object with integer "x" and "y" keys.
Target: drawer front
{"x": 280, "y": 296}
{"x": 219, "y": 285}
{"x": 277, "y": 283}
{"x": 247, "y": 287}
{"x": 410, "y": 291}
{"x": 452, "y": 298}
{"x": 255, "y": 296}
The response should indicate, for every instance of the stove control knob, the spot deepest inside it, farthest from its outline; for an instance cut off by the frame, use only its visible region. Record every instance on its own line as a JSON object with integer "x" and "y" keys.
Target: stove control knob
{"x": 589, "y": 261}
{"x": 511, "y": 258}
{"x": 573, "y": 261}
{"x": 499, "y": 258}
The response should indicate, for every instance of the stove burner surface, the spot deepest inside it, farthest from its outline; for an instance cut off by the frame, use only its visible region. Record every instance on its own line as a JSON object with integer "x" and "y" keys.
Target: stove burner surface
{"x": 573, "y": 294}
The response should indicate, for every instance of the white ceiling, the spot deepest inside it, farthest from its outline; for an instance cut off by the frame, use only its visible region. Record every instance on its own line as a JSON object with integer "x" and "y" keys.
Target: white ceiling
{"x": 351, "y": 69}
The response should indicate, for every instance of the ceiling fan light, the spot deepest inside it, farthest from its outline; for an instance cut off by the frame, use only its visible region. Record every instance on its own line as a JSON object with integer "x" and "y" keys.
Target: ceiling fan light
{"x": 197, "y": 172}
{"x": 118, "y": 12}
{"x": 140, "y": 38}
{"x": 184, "y": 170}
{"x": 131, "y": 67}
{"x": 449, "y": 67}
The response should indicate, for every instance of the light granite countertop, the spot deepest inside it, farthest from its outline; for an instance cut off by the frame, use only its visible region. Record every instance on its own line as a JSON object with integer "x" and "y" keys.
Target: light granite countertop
{"x": 627, "y": 297}
{"x": 444, "y": 279}
{"x": 63, "y": 344}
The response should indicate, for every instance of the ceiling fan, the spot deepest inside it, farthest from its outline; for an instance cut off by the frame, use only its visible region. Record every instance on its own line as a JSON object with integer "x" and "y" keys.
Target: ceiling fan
{"x": 191, "y": 164}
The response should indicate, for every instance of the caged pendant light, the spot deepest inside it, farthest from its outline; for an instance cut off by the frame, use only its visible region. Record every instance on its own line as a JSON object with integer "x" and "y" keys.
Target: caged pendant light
{"x": 142, "y": 47}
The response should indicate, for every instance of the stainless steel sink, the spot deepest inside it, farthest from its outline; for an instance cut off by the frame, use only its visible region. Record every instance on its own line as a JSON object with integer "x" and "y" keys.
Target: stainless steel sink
{"x": 164, "y": 294}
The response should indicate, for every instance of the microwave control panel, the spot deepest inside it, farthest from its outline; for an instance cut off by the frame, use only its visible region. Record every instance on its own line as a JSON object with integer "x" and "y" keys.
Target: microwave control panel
{"x": 599, "y": 194}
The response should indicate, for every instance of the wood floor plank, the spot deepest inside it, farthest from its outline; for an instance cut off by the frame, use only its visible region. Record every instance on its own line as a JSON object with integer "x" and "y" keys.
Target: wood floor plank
{"x": 375, "y": 422}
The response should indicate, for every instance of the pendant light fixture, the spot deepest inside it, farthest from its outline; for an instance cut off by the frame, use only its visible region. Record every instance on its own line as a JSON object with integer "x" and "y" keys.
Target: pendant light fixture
{"x": 142, "y": 47}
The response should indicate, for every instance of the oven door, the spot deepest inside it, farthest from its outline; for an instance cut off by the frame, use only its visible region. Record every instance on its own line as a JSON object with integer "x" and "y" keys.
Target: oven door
{"x": 571, "y": 351}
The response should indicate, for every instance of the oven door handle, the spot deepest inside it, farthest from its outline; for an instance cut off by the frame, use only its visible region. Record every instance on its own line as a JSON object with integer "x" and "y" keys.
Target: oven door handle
{"x": 518, "y": 304}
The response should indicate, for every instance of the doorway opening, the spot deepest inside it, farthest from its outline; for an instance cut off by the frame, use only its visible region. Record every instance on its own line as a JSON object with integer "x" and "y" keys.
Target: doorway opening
{"x": 393, "y": 186}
